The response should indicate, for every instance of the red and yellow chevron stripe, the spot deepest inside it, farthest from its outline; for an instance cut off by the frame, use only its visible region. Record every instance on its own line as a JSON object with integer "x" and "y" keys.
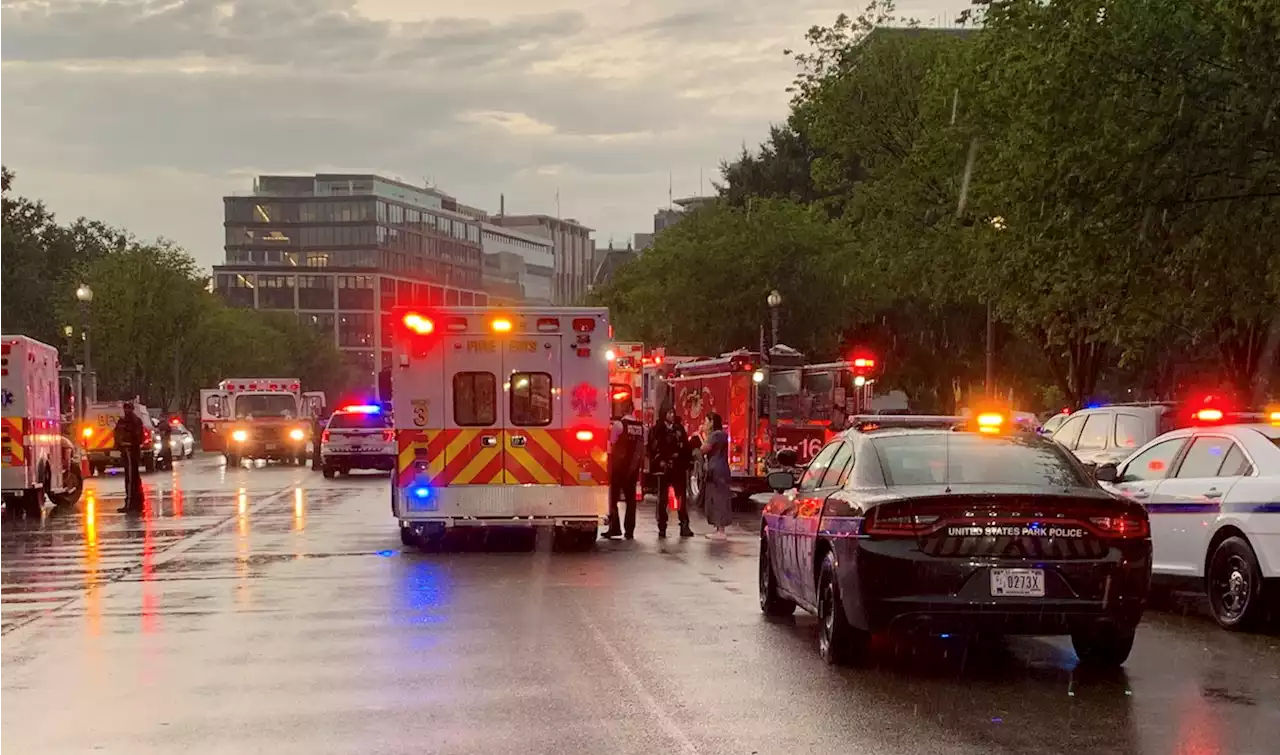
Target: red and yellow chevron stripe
{"x": 488, "y": 456}
{"x": 13, "y": 452}
{"x": 99, "y": 435}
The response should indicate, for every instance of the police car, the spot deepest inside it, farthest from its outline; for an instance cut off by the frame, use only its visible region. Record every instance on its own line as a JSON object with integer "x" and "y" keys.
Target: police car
{"x": 358, "y": 437}
{"x": 1213, "y": 496}
{"x": 907, "y": 523}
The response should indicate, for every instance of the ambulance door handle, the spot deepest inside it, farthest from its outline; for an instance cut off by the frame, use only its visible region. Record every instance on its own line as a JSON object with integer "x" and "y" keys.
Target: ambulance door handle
{"x": 518, "y": 441}
{"x": 488, "y": 441}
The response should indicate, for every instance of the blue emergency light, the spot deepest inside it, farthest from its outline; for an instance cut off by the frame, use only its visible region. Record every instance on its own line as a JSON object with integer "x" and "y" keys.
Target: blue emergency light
{"x": 362, "y": 409}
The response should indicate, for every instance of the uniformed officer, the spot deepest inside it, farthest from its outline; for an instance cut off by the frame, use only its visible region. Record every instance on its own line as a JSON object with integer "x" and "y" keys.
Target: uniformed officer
{"x": 626, "y": 455}
{"x": 670, "y": 458}
{"x": 128, "y": 437}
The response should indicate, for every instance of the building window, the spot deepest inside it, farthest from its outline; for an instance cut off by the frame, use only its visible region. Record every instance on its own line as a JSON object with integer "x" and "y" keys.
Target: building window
{"x": 275, "y": 292}
{"x": 321, "y": 322}
{"x": 355, "y": 292}
{"x": 236, "y": 288}
{"x": 361, "y": 361}
{"x": 451, "y": 297}
{"x": 355, "y": 329}
{"x": 315, "y": 292}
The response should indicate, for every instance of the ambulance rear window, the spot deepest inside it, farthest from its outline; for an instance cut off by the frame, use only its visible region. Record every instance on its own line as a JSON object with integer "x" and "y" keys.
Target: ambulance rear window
{"x": 475, "y": 399}
{"x": 530, "y": 399}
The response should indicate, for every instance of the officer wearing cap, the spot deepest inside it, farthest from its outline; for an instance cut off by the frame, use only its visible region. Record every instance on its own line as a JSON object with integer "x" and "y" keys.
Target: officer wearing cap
{"x": 626, "y": 456}
{"x": 128, "y": 436}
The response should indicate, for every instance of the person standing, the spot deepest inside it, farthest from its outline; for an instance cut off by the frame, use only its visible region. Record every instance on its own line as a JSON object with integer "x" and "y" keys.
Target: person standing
{"x": 626, "y": 454}
{"x": 128, "y": 436}
{"x": 719, "y": 500}
{"x": 669, "y": 457}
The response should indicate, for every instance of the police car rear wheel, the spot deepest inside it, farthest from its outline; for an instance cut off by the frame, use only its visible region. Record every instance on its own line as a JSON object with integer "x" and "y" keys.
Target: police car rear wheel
{"x": 839, "y": 642}
{"x": 1104, "y": 645}
{"x": 1234, "y": 584}
{"x": 771, "y": 601}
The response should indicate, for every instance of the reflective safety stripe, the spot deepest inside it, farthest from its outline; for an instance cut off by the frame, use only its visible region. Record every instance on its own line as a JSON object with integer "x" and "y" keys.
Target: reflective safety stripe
{"x": 463, "y": 457}
{"x": 13, "y": 452}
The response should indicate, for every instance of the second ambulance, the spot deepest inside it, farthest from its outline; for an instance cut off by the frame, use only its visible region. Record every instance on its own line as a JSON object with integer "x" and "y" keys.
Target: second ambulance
{"x": 501, "y": 419}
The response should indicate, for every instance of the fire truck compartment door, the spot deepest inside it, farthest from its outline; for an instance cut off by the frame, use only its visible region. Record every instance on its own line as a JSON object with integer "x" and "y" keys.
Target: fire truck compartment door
{"x": 532, "y": 435}
{"x": 474, "y": 409}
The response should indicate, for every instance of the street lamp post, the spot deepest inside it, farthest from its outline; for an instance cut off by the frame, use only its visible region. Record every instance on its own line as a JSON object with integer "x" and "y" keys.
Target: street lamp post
{"x": 774, "y": 300}
{"x": 85, "y": 295}
{"x": 990, "y": 382}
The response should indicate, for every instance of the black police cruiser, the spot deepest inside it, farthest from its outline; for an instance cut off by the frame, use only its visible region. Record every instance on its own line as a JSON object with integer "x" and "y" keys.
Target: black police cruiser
{"x": 948, "y": 524}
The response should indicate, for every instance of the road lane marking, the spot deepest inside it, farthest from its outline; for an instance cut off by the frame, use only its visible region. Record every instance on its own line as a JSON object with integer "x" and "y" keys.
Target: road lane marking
{"x": 637, "y": 686}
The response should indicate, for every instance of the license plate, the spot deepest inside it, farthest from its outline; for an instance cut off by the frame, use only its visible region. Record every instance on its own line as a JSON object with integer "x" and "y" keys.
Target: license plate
{"x": 271, "y": 446}
{"x": 1017, "y": 583}
{"x": 115, "y": 454}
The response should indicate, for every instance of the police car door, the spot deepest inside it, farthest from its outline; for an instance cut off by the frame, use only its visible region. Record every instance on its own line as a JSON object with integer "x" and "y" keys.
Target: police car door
{"x": 473, "y": 410}
{"x": 824, "y": 476}
{"x": 1139, "y": 479}
{"x": 1192, "y": 497}
{"x": 531, "y": 381}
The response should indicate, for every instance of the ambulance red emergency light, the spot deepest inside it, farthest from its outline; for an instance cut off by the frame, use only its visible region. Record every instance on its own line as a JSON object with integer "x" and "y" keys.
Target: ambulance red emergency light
{"x": 501, "y": 419}
{"x": 37, "y": 460}
{"x": 231, "y": 413}
{"x": 626, "y": 380}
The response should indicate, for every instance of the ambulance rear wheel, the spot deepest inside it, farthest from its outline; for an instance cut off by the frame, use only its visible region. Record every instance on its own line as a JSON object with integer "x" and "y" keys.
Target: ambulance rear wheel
{"x": 72, "y": 487}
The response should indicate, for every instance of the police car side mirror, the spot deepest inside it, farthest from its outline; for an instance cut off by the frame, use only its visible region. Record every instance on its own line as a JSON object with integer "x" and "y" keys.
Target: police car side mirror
{"x": 780, "y": 482}
{"x": 1106, "y": 473}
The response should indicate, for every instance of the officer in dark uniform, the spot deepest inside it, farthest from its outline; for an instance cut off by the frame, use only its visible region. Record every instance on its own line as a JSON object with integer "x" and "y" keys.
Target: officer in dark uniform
{"x": 626, "y": 455}
{"x": 670, "y": 458}
{"x": 128, "y": 436}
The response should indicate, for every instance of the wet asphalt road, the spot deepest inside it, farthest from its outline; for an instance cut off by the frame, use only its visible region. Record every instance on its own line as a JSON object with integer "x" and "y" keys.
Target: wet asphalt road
{"x": 272, "y": 611}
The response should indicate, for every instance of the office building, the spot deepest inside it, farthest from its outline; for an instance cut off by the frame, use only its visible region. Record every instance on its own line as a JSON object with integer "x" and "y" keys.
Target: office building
{"x": 572, "y": 249}
{"x": 518, "y": 265}
{"x": 341, "y": 250}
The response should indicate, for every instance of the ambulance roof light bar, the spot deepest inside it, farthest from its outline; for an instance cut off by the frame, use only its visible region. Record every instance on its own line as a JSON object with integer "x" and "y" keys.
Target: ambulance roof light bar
{"x": 419, "y": 324}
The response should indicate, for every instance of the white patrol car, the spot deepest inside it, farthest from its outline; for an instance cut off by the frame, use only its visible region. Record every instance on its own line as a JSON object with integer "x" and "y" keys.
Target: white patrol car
{"x": 501, "y": 419}
{"x": 1213, "y": 497}
{"x": 358, "y": 437}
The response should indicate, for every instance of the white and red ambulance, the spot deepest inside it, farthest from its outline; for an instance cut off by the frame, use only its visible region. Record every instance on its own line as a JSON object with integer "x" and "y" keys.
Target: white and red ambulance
{"x": 37, "y": 460}
{"x": 501, "y": 419}
{"x": 259, "y": 418}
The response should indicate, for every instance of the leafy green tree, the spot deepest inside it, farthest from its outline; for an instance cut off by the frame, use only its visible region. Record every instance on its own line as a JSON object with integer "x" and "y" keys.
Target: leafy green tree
{"x": 702, "y": 287}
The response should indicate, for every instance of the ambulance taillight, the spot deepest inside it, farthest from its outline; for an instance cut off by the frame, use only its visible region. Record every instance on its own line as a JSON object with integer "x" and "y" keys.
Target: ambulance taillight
{"x": 420, "y": 331}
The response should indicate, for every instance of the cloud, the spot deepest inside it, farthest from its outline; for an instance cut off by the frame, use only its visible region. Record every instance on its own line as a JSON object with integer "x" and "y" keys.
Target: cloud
{"x": 144, "y": 113}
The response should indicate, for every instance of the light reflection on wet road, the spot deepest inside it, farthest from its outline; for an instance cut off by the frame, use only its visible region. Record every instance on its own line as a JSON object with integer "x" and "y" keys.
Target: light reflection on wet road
{"x": 270, "y": 610}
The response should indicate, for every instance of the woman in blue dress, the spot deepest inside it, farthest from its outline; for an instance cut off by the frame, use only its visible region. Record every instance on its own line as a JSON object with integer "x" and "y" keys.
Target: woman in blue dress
{"x": 715, "y": 452}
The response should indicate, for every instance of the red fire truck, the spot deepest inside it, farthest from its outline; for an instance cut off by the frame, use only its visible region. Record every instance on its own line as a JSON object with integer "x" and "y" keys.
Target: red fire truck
{"x": 811, "y": 403}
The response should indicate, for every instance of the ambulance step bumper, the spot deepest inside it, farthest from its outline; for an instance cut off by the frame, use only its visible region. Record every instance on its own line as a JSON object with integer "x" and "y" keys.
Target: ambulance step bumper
{"x": 583, "y": 522}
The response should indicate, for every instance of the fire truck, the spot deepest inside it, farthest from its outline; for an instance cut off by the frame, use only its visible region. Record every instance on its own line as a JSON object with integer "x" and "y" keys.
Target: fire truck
{"x": 259, "y": 418}
{"x": 626, "y": 362}
{"x": 811, "y": 403}
{"x": 37, "y": 460}
{"x": 501, "y": 419}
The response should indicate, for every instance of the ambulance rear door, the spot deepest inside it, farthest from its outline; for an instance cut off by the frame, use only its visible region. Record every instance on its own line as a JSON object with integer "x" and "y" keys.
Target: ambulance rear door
{"x": 473, "y": 410}
{"x": 533, "y": 428}
{"x": 214, "y": 408}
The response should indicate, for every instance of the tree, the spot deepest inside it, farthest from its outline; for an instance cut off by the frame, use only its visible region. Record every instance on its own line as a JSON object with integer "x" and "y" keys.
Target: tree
{"x": 781, "y": 169}
{"x": 702, "y": 287}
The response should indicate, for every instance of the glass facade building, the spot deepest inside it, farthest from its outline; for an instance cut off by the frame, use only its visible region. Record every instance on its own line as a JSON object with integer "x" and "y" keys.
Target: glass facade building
{"x": 342, "y": 250}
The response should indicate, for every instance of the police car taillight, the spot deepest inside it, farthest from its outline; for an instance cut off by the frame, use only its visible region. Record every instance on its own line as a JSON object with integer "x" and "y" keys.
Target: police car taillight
{"x": 388, "y": 435}
{"x": 1124, "y": 526}
{"x": 324, "y": 437}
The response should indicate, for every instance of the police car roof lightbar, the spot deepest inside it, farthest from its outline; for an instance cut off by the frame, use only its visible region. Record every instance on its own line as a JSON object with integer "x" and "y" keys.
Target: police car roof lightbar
{"x": 868, "y": 422}
{"x": 362, "y": 409}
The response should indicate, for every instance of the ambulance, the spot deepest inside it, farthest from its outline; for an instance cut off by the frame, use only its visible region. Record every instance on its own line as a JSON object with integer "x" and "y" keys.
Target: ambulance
{"x": 36, "y": 459}
{"x": 501, "y": 419}
{"x": 98, "y": 437}
{"x": 259, "y": 418}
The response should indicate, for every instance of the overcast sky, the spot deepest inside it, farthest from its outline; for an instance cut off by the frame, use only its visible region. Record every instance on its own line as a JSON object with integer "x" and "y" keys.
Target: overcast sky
{"x": 144, "y": 113}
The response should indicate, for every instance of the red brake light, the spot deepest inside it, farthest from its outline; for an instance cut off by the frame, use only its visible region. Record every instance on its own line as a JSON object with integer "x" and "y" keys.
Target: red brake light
{"x": 621, "y": 395}
{"x": 388, "y": 435}
{"x": 584, "y": 324}
{"x": 419, "y": 324}
{"x": 324, "y": 437}
{"x": 586, "y": 436}
{"x": 897, "y": 523}
{"x": 1124, "y": 526}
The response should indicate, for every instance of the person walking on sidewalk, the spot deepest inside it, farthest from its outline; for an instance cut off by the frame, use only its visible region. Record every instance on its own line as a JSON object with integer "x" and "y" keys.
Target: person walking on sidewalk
{"x": 670, "y": 457}
{"x": 719, "y": 499}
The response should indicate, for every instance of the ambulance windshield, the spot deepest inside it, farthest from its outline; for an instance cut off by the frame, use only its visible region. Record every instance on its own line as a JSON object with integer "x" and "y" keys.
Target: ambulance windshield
{"x": 266, "y": 405}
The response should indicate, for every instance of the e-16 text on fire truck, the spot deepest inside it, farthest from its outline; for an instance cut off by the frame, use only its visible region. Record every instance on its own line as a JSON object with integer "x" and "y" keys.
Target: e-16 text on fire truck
{"x": 38, "y": 460}
{"x": 810, "y": 403}
{"x": 259, "y": 418}
{"x": 502, "y": 419}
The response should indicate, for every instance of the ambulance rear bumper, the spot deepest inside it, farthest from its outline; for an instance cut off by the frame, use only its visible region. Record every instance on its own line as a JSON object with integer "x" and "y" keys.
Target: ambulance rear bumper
{"x": 506, "y": 505}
